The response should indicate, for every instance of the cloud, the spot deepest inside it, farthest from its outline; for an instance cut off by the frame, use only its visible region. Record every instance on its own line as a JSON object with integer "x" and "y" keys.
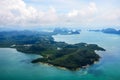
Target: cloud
{"x": 16, "y": 12}
{"x": 110, "y": 17}
{"x": 56, "y": 12}
{"x": 84, "y": 15}
{"x": 87, "y": 11}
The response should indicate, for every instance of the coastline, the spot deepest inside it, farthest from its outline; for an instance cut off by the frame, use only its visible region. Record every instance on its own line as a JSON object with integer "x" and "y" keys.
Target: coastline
{"x": 64, "y": 68}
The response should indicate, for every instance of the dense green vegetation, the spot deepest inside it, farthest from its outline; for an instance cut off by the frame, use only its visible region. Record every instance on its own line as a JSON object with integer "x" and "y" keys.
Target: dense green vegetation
{"x": 73, "y": 56}
{"x": 55, "y": 53}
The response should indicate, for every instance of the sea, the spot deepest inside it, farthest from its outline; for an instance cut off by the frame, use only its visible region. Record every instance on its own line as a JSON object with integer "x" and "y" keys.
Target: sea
{"x": 16, "y": 65}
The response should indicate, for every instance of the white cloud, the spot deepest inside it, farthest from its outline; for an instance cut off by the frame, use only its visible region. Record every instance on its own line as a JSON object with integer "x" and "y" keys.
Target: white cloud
{"x": 50, "y": 16}
{"x": 109, "y": 17}
{"x": 84, "y": 15}
{"x": 92, "y": 7}
{"x": 112, "y": 15}
{"x": 17, "y": 12}
{"x": 74, "y": 13}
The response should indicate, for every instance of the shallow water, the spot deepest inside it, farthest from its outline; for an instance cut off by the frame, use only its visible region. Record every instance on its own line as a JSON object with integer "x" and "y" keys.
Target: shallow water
{"x": 15, "y": 65}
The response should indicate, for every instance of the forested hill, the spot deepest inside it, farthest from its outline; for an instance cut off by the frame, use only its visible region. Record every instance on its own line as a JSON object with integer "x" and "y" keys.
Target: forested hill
{"x": 70, "y": 56}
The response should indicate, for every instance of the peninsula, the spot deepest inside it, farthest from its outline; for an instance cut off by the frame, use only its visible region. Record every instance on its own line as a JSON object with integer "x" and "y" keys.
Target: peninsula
{"x": 70, "y": 56}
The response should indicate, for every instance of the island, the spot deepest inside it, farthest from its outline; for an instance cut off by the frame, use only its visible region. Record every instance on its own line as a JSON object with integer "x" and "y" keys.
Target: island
{"x": 69, "y": 56}
{"x": 65, "y": 31}
{"x": 111, "y": 31}
{"x": 108, "y": 31}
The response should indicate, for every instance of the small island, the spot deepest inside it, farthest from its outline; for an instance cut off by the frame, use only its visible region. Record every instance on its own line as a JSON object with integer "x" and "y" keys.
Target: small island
{"x": 65, "y": 31}
{"x": 111, "y": 31}
{"x": 108, "y": 31}
{"x": 70, "y": 56}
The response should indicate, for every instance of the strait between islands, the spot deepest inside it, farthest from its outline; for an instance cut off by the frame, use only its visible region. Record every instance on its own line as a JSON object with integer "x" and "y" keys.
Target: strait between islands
{"x": 70, "y": 56}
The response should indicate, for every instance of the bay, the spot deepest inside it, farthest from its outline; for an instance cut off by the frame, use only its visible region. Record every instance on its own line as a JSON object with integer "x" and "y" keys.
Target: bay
{"x": 15, "y": 65}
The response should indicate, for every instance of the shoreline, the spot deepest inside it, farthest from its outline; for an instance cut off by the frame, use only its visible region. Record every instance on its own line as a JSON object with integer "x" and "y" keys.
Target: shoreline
{"x": 64, "y": 68}
{"x": 60, "y": 67}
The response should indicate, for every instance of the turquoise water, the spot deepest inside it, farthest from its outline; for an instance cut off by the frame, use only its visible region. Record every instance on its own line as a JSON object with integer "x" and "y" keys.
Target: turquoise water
{"x": 15, "y": 65}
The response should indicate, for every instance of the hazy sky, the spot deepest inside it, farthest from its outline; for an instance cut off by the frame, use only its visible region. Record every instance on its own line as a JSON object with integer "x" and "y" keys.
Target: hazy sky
{"x": 59, "y": 13}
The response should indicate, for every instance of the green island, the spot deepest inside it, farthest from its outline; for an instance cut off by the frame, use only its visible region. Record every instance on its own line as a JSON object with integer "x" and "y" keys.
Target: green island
{"x": 70, "y": 56}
